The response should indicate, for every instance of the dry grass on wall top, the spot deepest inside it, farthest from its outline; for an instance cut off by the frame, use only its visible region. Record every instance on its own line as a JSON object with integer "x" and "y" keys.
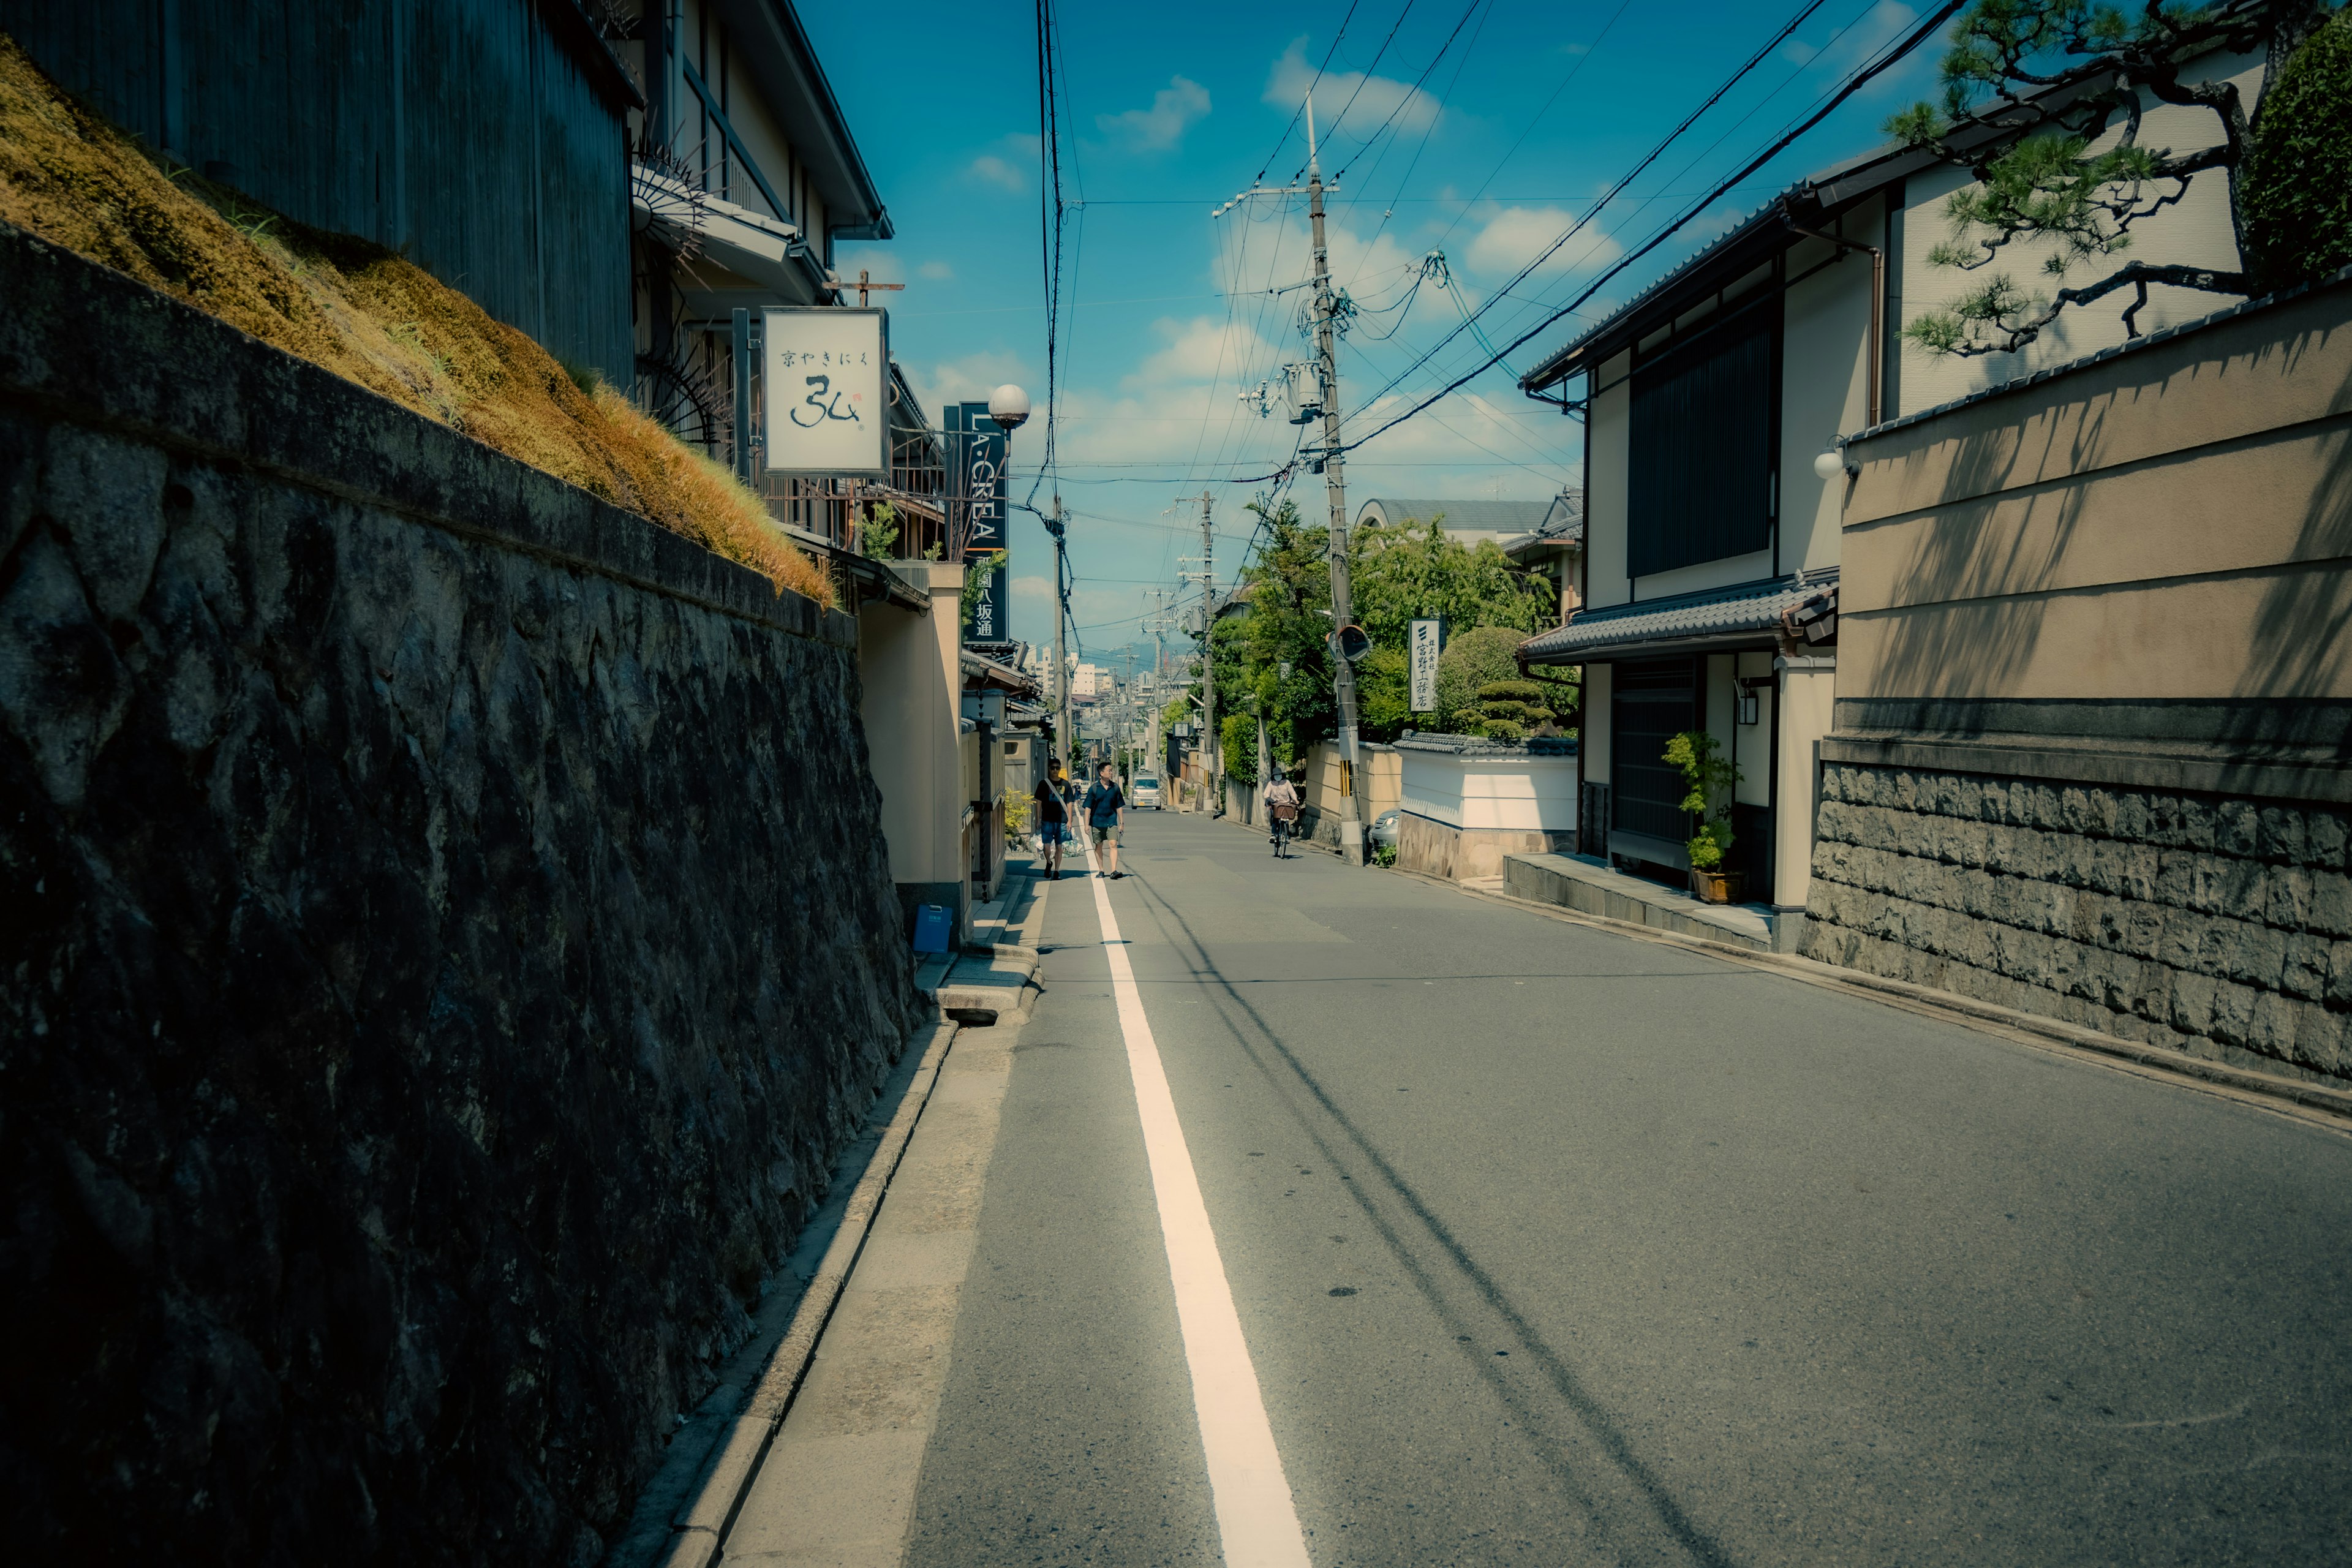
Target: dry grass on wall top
{"x": 363, "y": 312}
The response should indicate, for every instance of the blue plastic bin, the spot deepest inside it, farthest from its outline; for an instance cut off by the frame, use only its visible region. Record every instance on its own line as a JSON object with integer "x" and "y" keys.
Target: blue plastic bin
{"x": 933, "y": 926}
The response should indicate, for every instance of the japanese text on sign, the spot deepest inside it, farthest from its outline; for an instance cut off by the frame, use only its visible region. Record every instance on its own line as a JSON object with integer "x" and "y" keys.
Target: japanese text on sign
{"x": 1428, "y": 637}
{"x": 826, "y": 394}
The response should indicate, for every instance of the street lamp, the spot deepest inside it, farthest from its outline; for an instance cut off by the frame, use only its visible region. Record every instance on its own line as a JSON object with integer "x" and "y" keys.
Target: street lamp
{"x": 1831, "y": 462}
{"x": 1009, "y": 407}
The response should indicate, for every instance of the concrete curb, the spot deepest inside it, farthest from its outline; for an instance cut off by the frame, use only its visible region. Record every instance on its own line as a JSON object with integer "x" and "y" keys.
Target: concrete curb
{"x": 700, "y": 1529}
{"x": 2315, "y": 1103}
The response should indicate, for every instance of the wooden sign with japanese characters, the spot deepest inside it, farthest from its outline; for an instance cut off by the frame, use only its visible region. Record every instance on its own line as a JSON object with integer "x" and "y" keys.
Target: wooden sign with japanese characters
{"x": 825, "y": 392}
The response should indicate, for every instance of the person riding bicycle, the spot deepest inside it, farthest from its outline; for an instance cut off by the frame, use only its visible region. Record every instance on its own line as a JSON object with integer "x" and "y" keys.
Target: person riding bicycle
{"x": 1281, "y": 808}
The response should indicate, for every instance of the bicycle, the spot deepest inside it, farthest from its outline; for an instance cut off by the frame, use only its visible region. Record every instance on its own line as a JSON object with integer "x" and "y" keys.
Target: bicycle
{"x": 1279, "y": 818}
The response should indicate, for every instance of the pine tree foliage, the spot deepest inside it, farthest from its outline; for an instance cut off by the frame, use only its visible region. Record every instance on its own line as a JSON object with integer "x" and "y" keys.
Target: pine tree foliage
{"x": 2044, "y": 102}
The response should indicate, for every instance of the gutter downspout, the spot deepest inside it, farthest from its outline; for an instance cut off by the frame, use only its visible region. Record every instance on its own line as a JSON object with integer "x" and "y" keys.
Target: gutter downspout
{"x": 1877, "y": 301}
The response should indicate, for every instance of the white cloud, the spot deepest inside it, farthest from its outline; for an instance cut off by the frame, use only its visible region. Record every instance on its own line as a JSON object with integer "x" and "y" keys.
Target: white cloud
{"x": 966, "y": 380}
{"x": 1374, "y": 97}
{"x": 1839, "y": 52}
{"x": 1161, "y": 126}
{"x": 1514, "y": 237}
{"x": 937, "y": 271}
{"x": 1199, "y": 349}
{"x": 997, "y": 171}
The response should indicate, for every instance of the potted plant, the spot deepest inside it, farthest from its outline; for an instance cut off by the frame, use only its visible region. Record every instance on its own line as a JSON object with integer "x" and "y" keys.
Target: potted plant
{"x": 1711, "y": 778}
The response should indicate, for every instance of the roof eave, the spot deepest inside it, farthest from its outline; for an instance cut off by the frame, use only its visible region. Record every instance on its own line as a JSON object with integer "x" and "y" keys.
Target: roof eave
{"x": 783, "y": 59}
{"x": 1819, "y": 194}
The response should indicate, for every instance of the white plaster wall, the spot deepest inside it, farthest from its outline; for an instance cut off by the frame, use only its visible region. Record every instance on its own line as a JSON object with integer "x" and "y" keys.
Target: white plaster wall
{"x": 1720, "y": 574}
{"x": 911, "y": 684}
{"x": 2196, "y": 232}
{"x": 1750, "y": 746}
{"x": 1609, "y": 425}
{"x": 1808, "y": 697}
{"x": 1517, "y": 793}
{"x": 1824, "y": 383}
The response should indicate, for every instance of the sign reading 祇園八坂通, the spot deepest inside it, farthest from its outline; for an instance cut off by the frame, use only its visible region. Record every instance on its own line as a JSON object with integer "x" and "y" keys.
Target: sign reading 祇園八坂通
{"x": 825, "y": 385}
{"x": 1427, "y": 641}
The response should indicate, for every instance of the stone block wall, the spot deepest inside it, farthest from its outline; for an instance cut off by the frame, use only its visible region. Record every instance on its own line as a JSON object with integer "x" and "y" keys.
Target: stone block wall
{"x": 447, "y": 939}
{"x": 2216, "y": 925}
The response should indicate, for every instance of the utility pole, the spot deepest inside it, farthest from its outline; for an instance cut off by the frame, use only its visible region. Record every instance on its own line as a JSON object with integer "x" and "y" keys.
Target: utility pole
{"x": 1343, "y": 674}
{"x": 1061, "y": 671}
{"x": 1210, "y": 751}
{"x": 1214, "y": 756}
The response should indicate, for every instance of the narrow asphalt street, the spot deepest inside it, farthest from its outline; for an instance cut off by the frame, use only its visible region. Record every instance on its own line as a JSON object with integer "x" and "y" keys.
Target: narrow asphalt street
{"x": 1551, "y": 1245}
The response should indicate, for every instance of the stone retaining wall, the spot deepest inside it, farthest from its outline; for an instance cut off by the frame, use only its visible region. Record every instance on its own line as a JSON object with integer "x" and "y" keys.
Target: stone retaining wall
{"x": 447, "y": 940}
{"x": 2216, "y": 925}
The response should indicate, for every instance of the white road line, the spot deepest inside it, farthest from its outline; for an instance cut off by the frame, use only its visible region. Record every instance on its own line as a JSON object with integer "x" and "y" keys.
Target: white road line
{"x": 1255, "y": 1518}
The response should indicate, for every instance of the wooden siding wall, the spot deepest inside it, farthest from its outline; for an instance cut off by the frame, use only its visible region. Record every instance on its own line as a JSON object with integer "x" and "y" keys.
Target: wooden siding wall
{"x": 460, "y": 130}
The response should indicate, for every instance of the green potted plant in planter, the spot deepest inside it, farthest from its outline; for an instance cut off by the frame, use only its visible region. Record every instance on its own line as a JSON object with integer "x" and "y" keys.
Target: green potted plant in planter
{"x": 1711, "y": 778}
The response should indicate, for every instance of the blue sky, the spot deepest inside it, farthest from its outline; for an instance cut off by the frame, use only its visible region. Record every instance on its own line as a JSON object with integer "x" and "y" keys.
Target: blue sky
{"x": 1487, "y": 150}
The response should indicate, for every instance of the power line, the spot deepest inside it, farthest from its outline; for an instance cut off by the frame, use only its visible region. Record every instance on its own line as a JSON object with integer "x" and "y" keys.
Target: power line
{"x": 1654, "y": 154}
{"x": 1590, "y": 49}
{"x": 1366, "y": 74}
{"x": 1409, "y": 94}
{"x": 1284, "y": 139}
{"x": 1860, "y": 79}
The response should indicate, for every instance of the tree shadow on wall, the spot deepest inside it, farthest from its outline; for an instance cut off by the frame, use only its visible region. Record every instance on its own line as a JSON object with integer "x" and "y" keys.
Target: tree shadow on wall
{"x": 1953, "y": 627}
{"x": 1969, "y": 602}
{"x": 2301, "y": 655}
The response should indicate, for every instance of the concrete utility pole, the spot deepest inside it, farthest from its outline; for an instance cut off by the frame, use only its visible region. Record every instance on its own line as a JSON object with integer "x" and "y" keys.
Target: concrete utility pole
{"x": 1061, "y": 670}
{"x": 1343, "y": 674}
{"x": 1214, "y": 756}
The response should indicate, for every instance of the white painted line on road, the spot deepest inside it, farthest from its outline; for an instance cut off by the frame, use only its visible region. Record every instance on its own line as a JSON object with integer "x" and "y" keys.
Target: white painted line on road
{"x": 1255, "y": 1517}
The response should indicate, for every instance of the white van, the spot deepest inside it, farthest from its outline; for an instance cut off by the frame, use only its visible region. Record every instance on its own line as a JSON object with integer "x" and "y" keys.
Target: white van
{"x": 1145, "y": 793}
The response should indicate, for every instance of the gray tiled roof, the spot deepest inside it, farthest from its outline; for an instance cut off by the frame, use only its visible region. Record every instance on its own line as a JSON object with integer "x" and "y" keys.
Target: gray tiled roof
{"x": 1481, "y": 746}
{"x": 1744, "y": 608}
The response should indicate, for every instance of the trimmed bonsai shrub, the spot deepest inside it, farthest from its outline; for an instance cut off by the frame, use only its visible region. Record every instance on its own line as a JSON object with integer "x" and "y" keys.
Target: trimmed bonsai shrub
{"x": 1511, "y": 710}
{"x": 1474, "y": 660}
{"x": 1711, "y": 779}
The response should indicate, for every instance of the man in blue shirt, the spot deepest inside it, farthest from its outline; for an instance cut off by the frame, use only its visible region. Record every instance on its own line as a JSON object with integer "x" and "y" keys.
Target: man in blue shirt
{"x": 1106, "y": 815}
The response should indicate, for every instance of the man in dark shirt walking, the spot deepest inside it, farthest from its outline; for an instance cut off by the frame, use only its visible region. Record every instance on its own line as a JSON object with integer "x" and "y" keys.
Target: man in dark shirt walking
{"x": 1106, "y": 815}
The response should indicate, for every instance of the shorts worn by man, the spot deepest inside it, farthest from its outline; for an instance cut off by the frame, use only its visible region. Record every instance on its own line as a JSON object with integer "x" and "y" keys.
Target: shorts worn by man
{"x": 1106, "y": 807}
{"x": 1053, "y": 821}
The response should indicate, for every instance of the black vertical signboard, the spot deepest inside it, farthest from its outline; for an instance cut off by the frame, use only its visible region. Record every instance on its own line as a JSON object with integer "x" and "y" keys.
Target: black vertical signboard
{"x": 979, "y": 447}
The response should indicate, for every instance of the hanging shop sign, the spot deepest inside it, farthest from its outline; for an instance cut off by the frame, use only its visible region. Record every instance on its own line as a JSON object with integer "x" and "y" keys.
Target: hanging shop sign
{"x": 979, "y": 449}
{"x": 826, "y": 393}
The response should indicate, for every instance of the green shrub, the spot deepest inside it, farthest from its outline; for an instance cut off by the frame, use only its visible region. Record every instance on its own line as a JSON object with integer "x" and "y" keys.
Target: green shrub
{"x": 1474, "y": 660}
{"x": 2296, "y": 192}
{"x": 1711, "y": 779}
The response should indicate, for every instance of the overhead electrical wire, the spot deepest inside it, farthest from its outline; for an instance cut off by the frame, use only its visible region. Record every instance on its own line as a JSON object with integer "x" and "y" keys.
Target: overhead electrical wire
{"x": 1331, "y": 134}
{"x": 1747, "y": 67}
{"x": 1862, "y": 78}
{"x": 1536, "y": 118}
{"x": 1409, "y": 95}
{"x": 1284, "y": 137}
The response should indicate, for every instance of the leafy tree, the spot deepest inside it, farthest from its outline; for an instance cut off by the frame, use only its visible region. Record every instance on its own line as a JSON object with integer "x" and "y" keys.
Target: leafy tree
{"x": 2051, "y": 171}
{"x": 1413, "y": 569}
{"x": 1289, "y": 621}
{"x": 1474, "y": 660}
{"x": 1384, "y": 694}
{"x": 2296, "y": 189}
